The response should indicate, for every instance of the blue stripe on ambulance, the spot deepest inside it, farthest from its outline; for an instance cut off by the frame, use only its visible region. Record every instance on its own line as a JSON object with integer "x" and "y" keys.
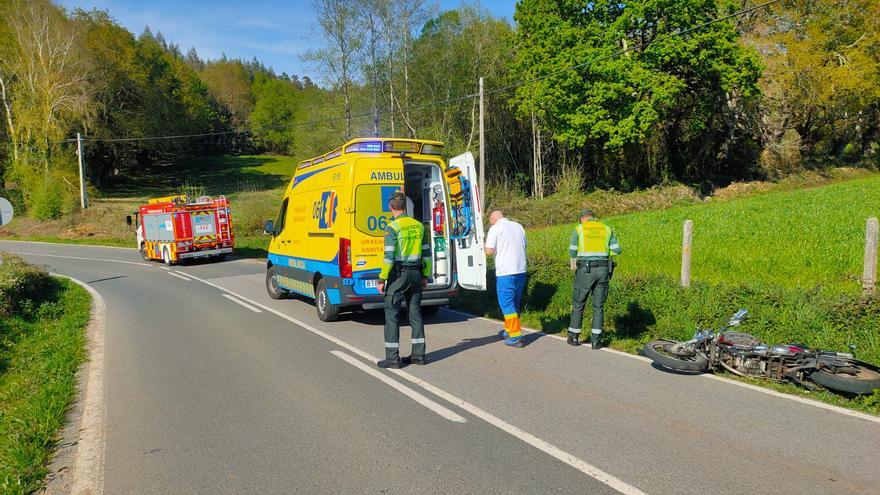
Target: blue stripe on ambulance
{"x": 298, "y": 179}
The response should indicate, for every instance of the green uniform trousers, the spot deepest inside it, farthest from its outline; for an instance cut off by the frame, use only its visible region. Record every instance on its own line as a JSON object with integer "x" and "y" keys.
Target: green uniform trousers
{"x": 404, "y": 284}
{"x": 589, "y": 280}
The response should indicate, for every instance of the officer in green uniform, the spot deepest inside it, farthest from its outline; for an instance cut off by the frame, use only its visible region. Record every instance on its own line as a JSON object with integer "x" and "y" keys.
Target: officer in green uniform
{"x": 593, "y": 244}
{"x": 405, "y": 271}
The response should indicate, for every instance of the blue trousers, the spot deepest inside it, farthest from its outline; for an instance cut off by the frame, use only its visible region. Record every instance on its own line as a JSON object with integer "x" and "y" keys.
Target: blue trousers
{"x": 510, "y": 291}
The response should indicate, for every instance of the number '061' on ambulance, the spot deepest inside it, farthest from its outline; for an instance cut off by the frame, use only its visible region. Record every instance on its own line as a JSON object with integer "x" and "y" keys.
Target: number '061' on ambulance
{"x": 328, "y": 240}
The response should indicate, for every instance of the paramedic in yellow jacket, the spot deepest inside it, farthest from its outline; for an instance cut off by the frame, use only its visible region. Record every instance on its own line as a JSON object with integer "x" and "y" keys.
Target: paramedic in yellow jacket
{"x": 405, "y": 271}
{"x": 593, "y": 244}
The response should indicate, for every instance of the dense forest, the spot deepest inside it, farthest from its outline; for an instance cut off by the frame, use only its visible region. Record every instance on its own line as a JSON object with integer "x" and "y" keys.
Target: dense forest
{"x": 577, "y": 94}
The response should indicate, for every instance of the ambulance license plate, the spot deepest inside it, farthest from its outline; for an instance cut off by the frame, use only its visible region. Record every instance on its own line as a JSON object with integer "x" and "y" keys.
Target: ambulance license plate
{"x": 371, "y": 283}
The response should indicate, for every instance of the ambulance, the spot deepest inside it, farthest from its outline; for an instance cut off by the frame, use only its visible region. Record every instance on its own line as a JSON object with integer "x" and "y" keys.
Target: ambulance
{"x": 175, "y": 229}
{"x": 327, "y": 243}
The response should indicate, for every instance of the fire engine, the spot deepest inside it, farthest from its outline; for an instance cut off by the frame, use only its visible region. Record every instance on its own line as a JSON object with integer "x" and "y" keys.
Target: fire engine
{"x": 175, "y": 229}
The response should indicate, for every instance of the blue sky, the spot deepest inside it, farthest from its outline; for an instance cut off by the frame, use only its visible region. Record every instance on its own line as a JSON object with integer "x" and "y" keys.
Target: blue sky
{"x": 276, "y": 32}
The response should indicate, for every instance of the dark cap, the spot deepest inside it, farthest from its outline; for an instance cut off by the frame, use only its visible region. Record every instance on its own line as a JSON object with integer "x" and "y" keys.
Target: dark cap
{"x": 587, "y": 212}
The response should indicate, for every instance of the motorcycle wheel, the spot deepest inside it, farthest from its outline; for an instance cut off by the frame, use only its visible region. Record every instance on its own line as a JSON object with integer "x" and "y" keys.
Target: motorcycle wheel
{"x": 863, "y": 382}
{"x": 660, "y": 352}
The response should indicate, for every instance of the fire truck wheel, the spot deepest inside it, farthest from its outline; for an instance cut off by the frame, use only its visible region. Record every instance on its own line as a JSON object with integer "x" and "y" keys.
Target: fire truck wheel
{"x": 326, "y": 311}
{"x": 272, "y": 287}
{"x": 166, "y": 257}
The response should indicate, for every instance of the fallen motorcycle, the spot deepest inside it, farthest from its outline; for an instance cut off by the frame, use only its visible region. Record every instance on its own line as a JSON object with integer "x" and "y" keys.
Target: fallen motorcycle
{"x": 745, "y": 355}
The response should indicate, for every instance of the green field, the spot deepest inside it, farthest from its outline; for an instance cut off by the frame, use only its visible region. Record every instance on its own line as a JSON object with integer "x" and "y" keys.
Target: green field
{"x": 809, "y": 239}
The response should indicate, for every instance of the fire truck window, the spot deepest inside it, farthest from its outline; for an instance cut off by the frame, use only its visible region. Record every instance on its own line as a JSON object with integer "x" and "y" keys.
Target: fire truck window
{"x": 282, "y": 215}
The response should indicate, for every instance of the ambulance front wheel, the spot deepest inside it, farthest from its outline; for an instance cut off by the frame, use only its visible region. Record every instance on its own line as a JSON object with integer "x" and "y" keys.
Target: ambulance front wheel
{"x": 143, "y": 251}
{"x": 275, "y": 291}
{"x": 326, "y": 310}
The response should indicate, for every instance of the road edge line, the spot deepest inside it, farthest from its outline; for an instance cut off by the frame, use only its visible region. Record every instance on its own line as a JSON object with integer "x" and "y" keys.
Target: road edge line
{"x": 431, "y": 405}
{"x": 242, "y": 303}
{"x": 755, "y": 388}
{"x": 105, "y": 260}
{"x": 64, "y": 244}
{"x": 88, "y": 467}
{"x": 181, "y": 277}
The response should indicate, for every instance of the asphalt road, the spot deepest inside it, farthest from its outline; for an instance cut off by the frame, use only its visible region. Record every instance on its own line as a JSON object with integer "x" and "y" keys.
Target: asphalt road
{"x": 208, "y": 395}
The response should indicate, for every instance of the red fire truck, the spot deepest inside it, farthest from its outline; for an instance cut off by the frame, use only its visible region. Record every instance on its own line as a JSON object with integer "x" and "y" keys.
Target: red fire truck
{"x": 174, "y": 228}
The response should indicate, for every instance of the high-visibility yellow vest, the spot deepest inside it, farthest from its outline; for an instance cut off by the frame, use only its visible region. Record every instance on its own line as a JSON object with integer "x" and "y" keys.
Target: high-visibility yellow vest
{"x": 594, "y": 239}
{"x": 409, "y": 239}
{"x": 407, "y": 247}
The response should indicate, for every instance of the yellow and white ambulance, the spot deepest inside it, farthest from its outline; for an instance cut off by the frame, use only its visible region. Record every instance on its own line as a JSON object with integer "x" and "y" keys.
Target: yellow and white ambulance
{"x": 327, "y": 241}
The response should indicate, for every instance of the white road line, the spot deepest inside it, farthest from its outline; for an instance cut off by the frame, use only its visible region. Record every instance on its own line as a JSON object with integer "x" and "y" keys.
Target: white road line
{"x": 67, "y": 244}
{"x": 526, "y": 437}
{"x": 81, "y": 258}
{"x": 181, "y": 277}
{"x": 548, "y": 448}
{"x": 163, "y": 267}
{"x": 242, "y": 303}
{"x": 782, "y": 395}
{"x": 412, "y": 394}
{"x": 88, "y": 466}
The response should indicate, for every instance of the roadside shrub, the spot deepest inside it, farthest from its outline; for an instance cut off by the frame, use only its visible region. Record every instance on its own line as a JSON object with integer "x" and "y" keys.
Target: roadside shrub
{"x": 22, "y": 286}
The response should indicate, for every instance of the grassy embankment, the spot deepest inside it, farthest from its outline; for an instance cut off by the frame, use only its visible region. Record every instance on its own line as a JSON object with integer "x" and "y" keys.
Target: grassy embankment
{"x": 42, "y": 343}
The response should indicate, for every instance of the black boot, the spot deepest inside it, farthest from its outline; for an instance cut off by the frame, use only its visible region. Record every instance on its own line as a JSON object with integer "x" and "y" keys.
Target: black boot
{"x": 573, "y": 339}
{"x": 420, "y": 360}
{"x": 595, "y": 340}
{"x": 389, "y": 363}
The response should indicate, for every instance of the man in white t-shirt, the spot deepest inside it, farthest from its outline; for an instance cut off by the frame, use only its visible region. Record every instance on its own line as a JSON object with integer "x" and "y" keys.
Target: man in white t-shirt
{"x": 507, "y": 242}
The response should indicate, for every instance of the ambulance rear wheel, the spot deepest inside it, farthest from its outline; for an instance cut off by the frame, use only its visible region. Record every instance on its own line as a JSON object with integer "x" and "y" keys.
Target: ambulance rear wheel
{"x": 275, "y": 291}
{"x": 326, "y": 310}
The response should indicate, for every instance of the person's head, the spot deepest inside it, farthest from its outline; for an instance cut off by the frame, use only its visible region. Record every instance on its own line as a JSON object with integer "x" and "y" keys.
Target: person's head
{"x": 587, "y": 214}
{"x": 397, "y": 204}
{"x": 495, "y": 216}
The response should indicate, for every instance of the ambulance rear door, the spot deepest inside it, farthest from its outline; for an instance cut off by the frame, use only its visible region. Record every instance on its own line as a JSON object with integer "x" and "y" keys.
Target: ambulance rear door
{"x": 470, "y": 253}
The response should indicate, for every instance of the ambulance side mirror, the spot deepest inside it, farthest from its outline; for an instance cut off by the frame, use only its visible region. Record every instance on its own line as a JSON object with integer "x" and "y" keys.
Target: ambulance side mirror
{"x": 269, "y": 228}
{"x": 128, "y": 220}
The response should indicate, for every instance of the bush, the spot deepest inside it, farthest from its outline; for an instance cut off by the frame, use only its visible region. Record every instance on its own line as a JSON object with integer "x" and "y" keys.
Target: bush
{"x": 22, "y": 286}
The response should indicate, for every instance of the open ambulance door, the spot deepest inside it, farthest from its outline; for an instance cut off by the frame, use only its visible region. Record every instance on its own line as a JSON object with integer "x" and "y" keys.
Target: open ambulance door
{"x": 466, "y": 220}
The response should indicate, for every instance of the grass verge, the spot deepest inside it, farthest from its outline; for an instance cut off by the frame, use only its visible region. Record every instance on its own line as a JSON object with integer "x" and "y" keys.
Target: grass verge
{"x": 797, "y": 239}
{"x": 42, "y": 344}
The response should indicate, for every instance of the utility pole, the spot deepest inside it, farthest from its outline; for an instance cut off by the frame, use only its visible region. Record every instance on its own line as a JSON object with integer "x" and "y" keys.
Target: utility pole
{"x": 482, "y": 154}
{"x": 83, "y": 194}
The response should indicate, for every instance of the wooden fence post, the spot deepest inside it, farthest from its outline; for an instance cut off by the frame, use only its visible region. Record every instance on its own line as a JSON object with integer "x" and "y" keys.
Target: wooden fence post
{"x": 686, "y": 242}
{"x": 869, "y": 277}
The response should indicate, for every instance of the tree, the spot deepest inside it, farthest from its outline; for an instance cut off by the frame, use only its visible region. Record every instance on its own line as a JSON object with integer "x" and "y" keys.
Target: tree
{"x": 341, "y": 27}
{"x": 230, "y": 84}
{"x": 821, "y": 85}
{"x": 273, "y": 114}
{"x": 44, "y": 78}
{"x": 666, "y": 108}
